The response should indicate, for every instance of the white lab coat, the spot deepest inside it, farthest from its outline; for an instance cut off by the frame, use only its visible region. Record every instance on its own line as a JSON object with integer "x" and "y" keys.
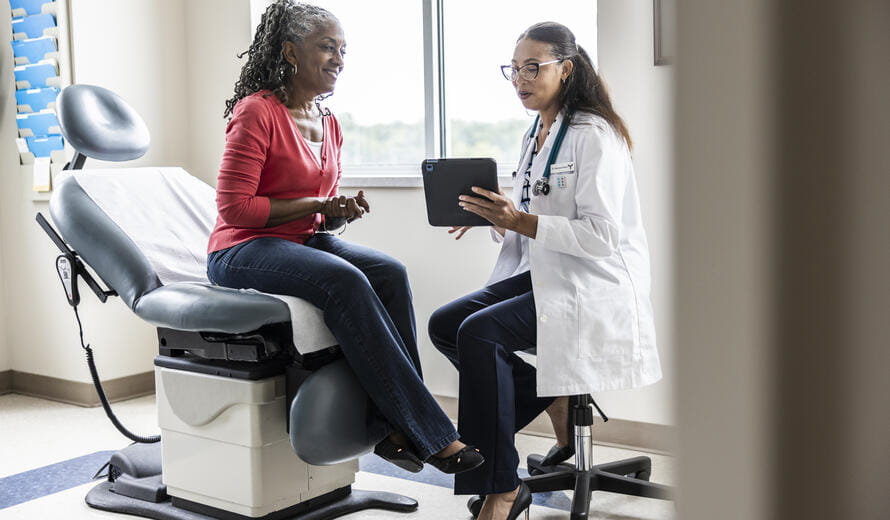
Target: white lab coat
{"x": 589, "y": 265}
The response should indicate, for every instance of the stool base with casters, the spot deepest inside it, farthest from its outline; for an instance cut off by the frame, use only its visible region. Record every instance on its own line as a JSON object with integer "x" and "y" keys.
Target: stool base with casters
{"x": 628, "y": 477}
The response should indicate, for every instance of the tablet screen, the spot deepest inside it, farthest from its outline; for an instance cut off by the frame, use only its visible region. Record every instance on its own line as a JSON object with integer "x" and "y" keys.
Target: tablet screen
{"x": 444, "y": 180}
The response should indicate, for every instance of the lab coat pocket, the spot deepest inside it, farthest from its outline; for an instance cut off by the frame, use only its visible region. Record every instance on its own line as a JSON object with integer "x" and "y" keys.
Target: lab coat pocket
{"x": 607, "y": 327}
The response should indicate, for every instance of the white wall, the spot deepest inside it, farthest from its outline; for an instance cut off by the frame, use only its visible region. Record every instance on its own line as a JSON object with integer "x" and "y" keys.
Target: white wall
{"x": 643, "y": 95}
{"x": 138, "y": 49}
{"x": 5, "y": 363}
{"x": 213, "y": 68}
{"x": 8, "y": 165}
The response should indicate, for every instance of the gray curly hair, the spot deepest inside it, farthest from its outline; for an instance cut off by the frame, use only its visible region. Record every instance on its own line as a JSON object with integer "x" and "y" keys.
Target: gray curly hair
{"x": 266, "y": 67}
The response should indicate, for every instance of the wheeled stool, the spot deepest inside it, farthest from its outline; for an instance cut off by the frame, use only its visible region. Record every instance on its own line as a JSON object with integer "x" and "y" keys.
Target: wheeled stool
{"x": 628, "y": 477}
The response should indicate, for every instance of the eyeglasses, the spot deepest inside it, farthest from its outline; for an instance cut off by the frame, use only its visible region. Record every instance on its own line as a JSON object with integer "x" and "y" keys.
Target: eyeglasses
{"x": 527, "y": 72}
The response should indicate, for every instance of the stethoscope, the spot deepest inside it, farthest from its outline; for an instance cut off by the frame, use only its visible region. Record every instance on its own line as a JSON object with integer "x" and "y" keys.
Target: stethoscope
{"x": 542, "y": 185}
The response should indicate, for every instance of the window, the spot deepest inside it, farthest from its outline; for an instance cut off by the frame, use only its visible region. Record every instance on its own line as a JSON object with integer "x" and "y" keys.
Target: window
{"x": 484, "y": 118}
{"x": 422, "y": 79}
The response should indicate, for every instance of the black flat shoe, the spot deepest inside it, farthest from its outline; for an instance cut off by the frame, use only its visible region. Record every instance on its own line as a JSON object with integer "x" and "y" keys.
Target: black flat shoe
{"x": 398, "y": 455}
{"x": 557, "y": 455}
{"x": 466, "y": 459}
{"x": 522, "y": 502}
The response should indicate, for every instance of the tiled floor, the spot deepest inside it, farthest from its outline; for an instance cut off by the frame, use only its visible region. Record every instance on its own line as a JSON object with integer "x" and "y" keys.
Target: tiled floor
{"x": 35, "y": 433}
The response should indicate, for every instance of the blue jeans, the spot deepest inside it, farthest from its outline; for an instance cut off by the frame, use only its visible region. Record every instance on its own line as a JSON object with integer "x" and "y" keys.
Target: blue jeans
{"x": 367, "y": 305}
{"x": 480, "y": 334}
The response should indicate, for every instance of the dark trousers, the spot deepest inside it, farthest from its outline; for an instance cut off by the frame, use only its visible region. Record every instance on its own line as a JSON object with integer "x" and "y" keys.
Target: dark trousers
{"x": 367, "y": 305}
{"x": 479, "y": 334}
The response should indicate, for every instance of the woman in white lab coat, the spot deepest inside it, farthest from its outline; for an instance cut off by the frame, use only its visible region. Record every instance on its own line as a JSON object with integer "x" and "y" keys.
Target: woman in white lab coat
{"x": 572, "y": 278}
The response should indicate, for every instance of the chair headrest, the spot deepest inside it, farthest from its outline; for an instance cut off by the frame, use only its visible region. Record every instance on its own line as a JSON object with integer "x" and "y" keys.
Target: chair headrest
{"x": 101, "y": 125}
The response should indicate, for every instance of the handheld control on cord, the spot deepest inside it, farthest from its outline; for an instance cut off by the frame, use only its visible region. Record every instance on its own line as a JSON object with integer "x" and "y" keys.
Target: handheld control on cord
{"x": 69, "y": 268}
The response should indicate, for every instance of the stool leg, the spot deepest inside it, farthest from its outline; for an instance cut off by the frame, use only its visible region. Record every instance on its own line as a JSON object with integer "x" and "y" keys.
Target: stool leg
{"x": 559, "y": 481}
{"x": 638, "y": 467}
{"x": 581, "y": 497}
{"x": 630, "y": 486}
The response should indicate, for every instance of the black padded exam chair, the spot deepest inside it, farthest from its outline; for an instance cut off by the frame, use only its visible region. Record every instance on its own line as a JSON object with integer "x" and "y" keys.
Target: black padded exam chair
{"x": 251, "y": 428}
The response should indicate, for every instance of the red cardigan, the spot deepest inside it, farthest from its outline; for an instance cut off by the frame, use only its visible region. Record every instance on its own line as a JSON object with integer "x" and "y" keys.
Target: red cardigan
{"x": 265, "y": 158}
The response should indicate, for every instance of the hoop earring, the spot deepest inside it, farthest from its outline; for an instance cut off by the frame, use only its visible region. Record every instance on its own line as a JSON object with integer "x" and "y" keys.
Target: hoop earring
{"x": 295, "y": 69}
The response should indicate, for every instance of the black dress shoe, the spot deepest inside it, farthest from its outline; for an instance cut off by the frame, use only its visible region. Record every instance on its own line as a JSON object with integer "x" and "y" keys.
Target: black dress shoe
{"x": 522, "y": 502}
{"x": 398, "y": 455}
{"x": 466, "y": 459}
{"x": 557, "y": 455}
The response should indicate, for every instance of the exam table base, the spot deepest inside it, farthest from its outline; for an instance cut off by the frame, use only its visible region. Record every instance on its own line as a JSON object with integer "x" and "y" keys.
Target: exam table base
{"x": 333, "y": 505}
{"x": 136, "y": 488}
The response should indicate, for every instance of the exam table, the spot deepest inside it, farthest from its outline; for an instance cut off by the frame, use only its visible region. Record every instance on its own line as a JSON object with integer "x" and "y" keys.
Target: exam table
{"x": 260, "y": 416}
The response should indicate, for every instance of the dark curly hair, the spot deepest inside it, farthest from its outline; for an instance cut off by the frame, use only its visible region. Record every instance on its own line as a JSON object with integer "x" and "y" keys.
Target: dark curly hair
{"x": 266, "y": 68}
{"x": 583, "y": 89}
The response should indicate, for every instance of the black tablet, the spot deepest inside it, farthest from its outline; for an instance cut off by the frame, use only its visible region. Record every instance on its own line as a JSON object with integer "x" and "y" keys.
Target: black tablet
{"x": 446, "y": 179}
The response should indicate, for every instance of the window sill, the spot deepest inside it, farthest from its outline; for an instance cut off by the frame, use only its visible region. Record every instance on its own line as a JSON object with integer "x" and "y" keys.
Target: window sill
{"x": 381, "y": 181}
{"x": 398, "y": 181}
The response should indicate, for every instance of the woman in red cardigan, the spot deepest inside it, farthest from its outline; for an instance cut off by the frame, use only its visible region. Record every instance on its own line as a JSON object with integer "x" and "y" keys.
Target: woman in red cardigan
{"x": 277, "y": 195}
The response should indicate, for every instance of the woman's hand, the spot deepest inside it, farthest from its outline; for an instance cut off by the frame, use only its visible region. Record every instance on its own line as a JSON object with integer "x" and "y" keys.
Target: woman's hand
{"x": 460, "y": 230}
{"x": 500, "y": 211}
{"x": 350, "y": 208}
{"x": 362, "y": 204}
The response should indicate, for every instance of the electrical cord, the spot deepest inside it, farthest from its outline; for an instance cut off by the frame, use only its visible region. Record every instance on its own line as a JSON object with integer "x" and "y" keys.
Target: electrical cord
{"x": 102, "y": 397}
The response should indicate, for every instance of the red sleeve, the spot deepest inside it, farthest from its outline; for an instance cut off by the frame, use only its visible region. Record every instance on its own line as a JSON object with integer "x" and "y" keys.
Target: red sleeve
{"x": 338, "y": 143}
{"x": 247, "y": 142}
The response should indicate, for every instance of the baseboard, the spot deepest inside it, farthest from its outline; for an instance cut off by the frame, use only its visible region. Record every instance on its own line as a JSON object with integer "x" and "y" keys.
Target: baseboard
{"x": 5, "y": 382}
{"x": 78, "y": 393}
{"x": 649, "y": 437}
